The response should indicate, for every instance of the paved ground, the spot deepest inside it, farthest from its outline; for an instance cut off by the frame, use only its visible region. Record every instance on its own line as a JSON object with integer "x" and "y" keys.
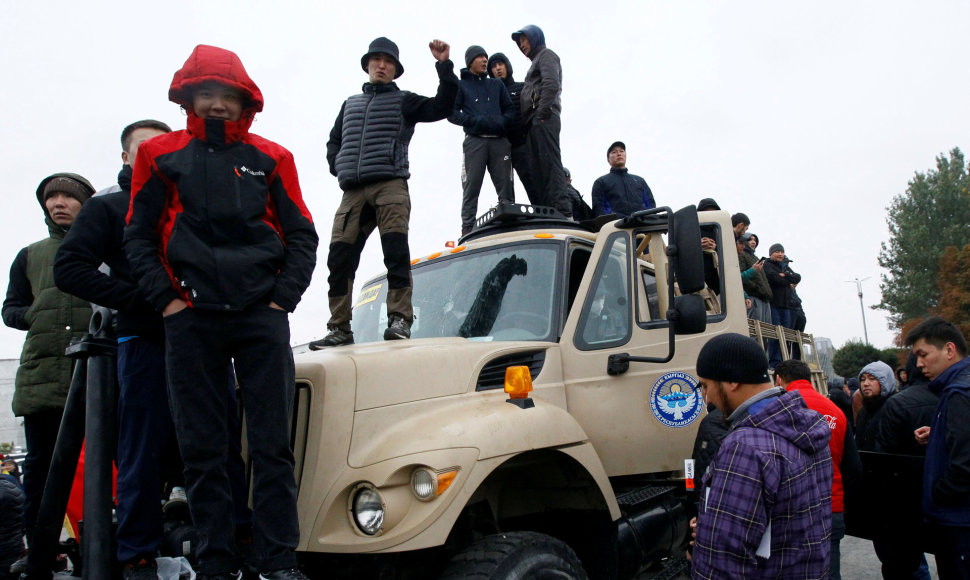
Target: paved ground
{"x": 859, "y": 562}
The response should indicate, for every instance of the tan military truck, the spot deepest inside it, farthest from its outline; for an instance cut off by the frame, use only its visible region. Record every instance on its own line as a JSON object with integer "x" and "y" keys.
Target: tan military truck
{"x": 538, "y": 421}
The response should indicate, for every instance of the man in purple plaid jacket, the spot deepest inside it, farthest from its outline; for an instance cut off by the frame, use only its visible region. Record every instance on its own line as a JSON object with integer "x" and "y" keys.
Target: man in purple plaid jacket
{"x": 765, "y": 506}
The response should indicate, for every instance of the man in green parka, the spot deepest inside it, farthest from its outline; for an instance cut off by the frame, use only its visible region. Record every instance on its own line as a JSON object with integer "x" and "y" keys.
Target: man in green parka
{"x": 51, "y": 318}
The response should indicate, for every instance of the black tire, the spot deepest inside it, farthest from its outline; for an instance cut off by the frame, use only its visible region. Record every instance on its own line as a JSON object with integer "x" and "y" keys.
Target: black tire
{"x": 516, "y": 556}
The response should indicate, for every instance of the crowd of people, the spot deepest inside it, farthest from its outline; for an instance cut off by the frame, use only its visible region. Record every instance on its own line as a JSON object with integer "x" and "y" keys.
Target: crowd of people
{"x": 785, "y": 468}
{"x": 209, "y": 246}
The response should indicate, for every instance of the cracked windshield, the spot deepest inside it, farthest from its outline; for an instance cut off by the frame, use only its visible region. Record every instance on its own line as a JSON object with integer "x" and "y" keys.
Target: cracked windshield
{"x": 504, "y": 293}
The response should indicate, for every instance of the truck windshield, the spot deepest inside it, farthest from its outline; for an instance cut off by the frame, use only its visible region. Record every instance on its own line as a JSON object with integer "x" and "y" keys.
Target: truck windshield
{"x": 502, "y": 293}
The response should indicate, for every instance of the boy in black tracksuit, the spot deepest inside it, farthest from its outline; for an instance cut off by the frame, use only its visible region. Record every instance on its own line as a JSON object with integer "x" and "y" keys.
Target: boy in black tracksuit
{"x": 221, "y": 243}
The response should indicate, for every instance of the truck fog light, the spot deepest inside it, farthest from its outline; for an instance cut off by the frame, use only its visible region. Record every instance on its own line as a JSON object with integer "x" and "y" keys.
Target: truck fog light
{"x": 424, "y": 484}
{"x": 427, "y": 484}
{"x": 368, "y": 510}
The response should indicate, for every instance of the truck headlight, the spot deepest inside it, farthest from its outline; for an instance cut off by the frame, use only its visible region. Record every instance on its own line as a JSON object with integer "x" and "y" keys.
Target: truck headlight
{"x": 368, "y": 509}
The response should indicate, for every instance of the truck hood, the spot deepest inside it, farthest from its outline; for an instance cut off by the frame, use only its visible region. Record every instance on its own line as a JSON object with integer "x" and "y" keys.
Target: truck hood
{"x": 391, "y": 373}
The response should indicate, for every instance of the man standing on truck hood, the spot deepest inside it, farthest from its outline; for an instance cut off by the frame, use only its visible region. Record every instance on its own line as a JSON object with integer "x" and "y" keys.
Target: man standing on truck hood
{"x": 765, "y": 501}
{"x": 368, "y": 153}
{"x": 619, "y": 191}
{"x": 541, "y": 107}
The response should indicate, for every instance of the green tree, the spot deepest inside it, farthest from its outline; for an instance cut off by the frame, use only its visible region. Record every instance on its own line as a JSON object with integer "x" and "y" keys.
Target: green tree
{"x": 849, "y": 360}
{"x": 933, "y": 213}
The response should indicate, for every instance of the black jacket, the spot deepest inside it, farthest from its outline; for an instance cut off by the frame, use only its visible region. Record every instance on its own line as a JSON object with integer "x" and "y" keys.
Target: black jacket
{"x": 483, "y": 106}
{"x": 781, "y": 277}
{"x": 97, "y": 237}
{"x": 870, "y": 421}
{"x": 514, "y": 131}
{"x": 622, "y": 193}
{"x": 903, "y": 413}
{"x": 390, "y": 159}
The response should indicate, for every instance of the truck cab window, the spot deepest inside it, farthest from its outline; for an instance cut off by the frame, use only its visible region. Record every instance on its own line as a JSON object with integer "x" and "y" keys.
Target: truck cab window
{"x": 606, "y": 318}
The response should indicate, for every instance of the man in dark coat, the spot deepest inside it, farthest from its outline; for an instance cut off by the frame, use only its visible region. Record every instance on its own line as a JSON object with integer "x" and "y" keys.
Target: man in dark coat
{"x": 484, "y": 109}
{"x": 541, "y": 107}
{"x": 620, "y": 192}
{"x": 941, "y": 351}
{"x": 500, "y": 67}
{"x": 368, "y": 153}
{"x": 781, "y": 278}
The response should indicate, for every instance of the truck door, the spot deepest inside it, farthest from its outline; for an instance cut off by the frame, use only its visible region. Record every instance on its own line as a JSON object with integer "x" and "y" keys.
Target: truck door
{"x": 644, "y": 420}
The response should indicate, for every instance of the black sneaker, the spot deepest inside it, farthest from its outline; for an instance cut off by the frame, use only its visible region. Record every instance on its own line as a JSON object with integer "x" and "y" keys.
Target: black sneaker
{"x": 287, "y": 574}
{"x": 336, "y": 337}
{"x": 140, "y": 569}
{"x": 397, "y": 328}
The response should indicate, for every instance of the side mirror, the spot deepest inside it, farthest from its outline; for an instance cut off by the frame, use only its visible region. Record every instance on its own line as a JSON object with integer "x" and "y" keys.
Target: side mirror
{"x": 684, "y": 250}
{"x": 688, "y": 315}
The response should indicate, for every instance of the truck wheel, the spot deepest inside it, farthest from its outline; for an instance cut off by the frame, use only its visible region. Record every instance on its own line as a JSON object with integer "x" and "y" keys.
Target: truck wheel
{"x": 516, "y": 556}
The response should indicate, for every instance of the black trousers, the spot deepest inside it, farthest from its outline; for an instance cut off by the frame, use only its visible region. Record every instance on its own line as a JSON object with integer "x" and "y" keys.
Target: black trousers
{"x": 545, "y": 164}
{"x": 40, "y": 432}
{"x": 199, "y": 347}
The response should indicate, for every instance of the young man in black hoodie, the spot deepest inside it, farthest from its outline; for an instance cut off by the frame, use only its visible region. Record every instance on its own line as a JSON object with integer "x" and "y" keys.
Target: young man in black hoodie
{"x": 144, "y": 423}
{"x": 499, "y": 67}
{"x": 484, "y": 109}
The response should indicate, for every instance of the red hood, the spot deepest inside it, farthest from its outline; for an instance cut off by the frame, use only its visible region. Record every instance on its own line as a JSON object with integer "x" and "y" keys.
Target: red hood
{"x": 210, "y": 63}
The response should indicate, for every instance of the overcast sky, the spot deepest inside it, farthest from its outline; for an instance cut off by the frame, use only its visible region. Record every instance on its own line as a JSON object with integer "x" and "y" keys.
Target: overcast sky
{"x": 809, "y": 117}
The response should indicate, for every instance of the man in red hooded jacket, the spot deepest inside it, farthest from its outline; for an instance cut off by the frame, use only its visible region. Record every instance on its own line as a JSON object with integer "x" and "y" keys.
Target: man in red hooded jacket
{"x": 223, "y": 245}
{"x": 795, "y": 375}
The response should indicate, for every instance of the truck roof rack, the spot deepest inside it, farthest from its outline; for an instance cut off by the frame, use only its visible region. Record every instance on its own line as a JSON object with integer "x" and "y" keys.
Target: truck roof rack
{"x": 510, "y": 217}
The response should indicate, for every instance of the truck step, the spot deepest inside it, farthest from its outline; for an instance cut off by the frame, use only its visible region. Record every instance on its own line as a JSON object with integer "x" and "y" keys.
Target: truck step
{"x": 638, "y": 499}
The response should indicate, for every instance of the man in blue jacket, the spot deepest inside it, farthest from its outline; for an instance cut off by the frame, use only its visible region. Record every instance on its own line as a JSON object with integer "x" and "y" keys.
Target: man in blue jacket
{"x": 941, "y": 351}
{"x": 483, "y": 107}
{"x": 619, "y": 191}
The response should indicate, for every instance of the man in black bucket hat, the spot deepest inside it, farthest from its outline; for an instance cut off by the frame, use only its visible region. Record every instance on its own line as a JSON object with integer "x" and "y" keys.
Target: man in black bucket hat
{"x": 368, "y": 153}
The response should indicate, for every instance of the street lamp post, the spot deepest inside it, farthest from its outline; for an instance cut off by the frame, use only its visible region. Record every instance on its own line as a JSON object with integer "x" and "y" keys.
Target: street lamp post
{"x": 858, "y": 284}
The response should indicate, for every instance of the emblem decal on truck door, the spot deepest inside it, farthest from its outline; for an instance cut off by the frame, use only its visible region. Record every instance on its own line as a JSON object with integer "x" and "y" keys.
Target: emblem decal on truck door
{"x": 675, "y": 399}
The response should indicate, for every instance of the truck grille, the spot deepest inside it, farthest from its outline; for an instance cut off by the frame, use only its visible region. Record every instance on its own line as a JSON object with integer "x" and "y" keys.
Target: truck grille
{"x": 493, "y": 373}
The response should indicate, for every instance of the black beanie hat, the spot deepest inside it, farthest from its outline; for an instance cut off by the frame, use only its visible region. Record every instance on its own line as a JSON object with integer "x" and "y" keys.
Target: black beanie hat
{"x": 382, "y": 45}
{"x": 472, "y": 52}
{"x": 733, "y": 358}
{"x": 775, "y": 248}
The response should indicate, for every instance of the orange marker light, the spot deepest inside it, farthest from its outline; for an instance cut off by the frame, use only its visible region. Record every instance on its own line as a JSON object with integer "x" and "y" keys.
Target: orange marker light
{"x": 415, "y": 261}
{"x": 434, "y": 255}
{"x": 544, "y": 236}
{"x": 458, "y": 249}
{"x": 445, "y": 480}
{"x": 518, "y": 382}
{"x": 450, "y": 244}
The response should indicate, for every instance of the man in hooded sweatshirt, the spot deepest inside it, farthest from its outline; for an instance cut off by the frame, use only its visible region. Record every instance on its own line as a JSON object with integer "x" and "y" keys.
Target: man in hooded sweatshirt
{"x": 876, "y": 383}
{"x": 796, "y": 376}
{"x": 51, "y": 318}
{"x": 541, "y": 106}
{"x": 765, "y": 500}
{"x": 221, "y": 243}
{"x": 368, "y": 153}
{"x": 484, "y": 109}
{"x": 941, "y": 351}
{"x": 500, "y": 67}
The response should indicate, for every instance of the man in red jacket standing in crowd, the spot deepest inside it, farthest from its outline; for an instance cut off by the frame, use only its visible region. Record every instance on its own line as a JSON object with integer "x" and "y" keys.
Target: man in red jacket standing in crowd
{"x": 795, "y": 375}
{"x": 222, "y": 244}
